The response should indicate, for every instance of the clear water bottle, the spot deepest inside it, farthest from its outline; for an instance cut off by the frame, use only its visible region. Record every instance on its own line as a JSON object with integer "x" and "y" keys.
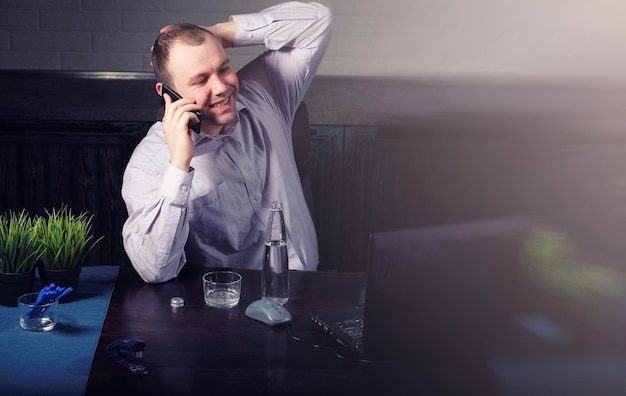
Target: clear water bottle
{"x": 275, "y": 272}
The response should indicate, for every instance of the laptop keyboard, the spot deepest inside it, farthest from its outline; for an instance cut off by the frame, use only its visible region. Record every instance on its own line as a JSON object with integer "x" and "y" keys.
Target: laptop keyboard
{"x": 352, "y": 327}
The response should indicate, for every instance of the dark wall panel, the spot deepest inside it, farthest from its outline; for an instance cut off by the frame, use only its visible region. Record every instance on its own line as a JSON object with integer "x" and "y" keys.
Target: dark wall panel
{"x": 47, "y": 164}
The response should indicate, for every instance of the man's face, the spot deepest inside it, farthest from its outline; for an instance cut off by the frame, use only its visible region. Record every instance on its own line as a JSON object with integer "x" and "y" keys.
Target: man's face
{"x": 205, "y": 73}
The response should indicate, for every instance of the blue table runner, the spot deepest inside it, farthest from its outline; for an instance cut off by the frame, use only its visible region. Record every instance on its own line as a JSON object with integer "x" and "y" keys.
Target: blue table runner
{"x": 56, "y": 362}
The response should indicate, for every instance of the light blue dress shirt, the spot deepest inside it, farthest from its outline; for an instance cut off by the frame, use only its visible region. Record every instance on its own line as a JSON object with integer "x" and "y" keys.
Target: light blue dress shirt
{"x": 215, "y": 215}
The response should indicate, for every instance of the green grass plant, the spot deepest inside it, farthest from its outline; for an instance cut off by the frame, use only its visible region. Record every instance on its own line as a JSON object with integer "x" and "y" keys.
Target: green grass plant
{"x": 20, "y": 249}
{"x": 66, "y": 239}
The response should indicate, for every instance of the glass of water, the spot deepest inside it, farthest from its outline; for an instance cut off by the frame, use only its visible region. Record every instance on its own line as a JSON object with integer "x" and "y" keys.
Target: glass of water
{"x": 221, "y": 288}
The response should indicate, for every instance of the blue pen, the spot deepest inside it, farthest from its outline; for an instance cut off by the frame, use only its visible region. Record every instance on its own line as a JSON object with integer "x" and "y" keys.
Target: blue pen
{"x": 47, "y": 295}
{"x": 40, "y": 300}
{"x": 65, "y": 293}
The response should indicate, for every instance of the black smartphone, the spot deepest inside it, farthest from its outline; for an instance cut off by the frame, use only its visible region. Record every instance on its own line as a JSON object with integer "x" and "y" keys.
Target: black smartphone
{"x": 194, "y": 126}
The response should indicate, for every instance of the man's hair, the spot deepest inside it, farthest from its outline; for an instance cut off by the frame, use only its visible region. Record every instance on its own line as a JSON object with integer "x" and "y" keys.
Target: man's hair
{"x": 187, "y": 33}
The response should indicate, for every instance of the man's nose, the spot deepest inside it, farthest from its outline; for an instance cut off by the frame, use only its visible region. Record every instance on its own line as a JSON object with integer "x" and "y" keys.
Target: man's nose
{"x": 217, "y": 85}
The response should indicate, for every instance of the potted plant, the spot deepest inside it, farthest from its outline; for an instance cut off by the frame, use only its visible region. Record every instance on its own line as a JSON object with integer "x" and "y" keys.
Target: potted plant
{"x": 19, "y": 253}
{"x": 66, "y": 239}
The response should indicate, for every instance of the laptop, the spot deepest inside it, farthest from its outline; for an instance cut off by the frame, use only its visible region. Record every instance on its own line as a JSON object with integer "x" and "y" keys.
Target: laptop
{"x": 431, "y": 289}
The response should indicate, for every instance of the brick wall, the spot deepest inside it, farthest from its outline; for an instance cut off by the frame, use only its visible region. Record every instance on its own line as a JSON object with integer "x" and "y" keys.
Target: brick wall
{"x": 115, "y": 35}
{"x": 427, "y": 38}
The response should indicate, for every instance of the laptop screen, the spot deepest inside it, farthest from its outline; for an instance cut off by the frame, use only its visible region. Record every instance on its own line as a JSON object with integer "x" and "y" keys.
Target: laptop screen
{"x": 440, "y": 289}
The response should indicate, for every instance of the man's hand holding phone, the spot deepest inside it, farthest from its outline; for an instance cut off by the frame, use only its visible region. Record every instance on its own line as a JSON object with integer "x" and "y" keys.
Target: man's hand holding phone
{"x": 194, "y": 123}
{"x": 180, "y": 115}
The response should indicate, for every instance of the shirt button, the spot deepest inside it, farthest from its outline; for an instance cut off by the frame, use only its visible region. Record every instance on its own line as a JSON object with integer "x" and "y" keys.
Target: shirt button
{"x": 184, "y": 188}
{"x": 256, "y": 197}
{"x": 251, "y": 23}
{"x": 250, "y": 35}
{"x": 246, "y": 168}
{"x": 291, "y": 254}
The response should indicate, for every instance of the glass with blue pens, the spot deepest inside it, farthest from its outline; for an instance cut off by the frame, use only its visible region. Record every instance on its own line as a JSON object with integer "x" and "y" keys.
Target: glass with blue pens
{"x": 39, "y": 311}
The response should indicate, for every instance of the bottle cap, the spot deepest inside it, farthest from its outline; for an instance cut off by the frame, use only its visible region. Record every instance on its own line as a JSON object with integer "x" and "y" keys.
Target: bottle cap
{"x": 177, "y": 302}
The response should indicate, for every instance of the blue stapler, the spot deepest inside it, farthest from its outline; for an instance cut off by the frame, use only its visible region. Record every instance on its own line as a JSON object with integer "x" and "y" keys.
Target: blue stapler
{"x": 125, "y": 351}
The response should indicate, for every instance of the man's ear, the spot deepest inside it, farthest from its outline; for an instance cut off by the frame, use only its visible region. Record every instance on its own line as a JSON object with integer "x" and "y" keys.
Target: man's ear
{"x": 159, "y": 88}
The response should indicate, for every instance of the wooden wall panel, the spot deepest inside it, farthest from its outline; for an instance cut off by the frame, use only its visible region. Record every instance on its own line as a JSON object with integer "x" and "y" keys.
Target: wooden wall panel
{"x": 47, "y": 164}
{"x": 365, "y": 179}
{"x": 328, "y": 184}
{"x": 389, "y": 178}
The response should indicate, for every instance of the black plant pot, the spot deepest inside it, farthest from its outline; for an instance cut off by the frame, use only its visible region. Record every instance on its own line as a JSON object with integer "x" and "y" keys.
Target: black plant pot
{"x": 13, "y": 285}
{"x": 63, "y": 278}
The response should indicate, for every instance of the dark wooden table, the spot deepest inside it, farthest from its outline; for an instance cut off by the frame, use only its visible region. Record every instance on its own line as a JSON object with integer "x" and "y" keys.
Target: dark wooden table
{"x": 201, "y": 350}
{"x": 551, "y": 347}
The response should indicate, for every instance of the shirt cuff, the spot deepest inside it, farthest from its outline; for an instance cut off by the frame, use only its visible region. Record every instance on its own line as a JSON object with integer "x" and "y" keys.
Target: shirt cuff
{"x": 177, "y": 185}
{"x": 251, "y": 29}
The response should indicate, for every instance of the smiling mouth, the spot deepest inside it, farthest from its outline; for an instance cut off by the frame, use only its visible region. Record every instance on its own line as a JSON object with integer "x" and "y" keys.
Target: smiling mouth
{"x": 222, "y": 103}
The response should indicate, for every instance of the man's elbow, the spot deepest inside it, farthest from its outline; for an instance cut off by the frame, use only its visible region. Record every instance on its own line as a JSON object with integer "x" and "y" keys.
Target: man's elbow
{"x": 152, "y": 271}
{"x": 153, "y": 277}
{"x": 324, "y": 13}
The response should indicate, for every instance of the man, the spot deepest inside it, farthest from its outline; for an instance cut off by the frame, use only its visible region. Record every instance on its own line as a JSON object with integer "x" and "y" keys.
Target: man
{"x": 204, "y": 197}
